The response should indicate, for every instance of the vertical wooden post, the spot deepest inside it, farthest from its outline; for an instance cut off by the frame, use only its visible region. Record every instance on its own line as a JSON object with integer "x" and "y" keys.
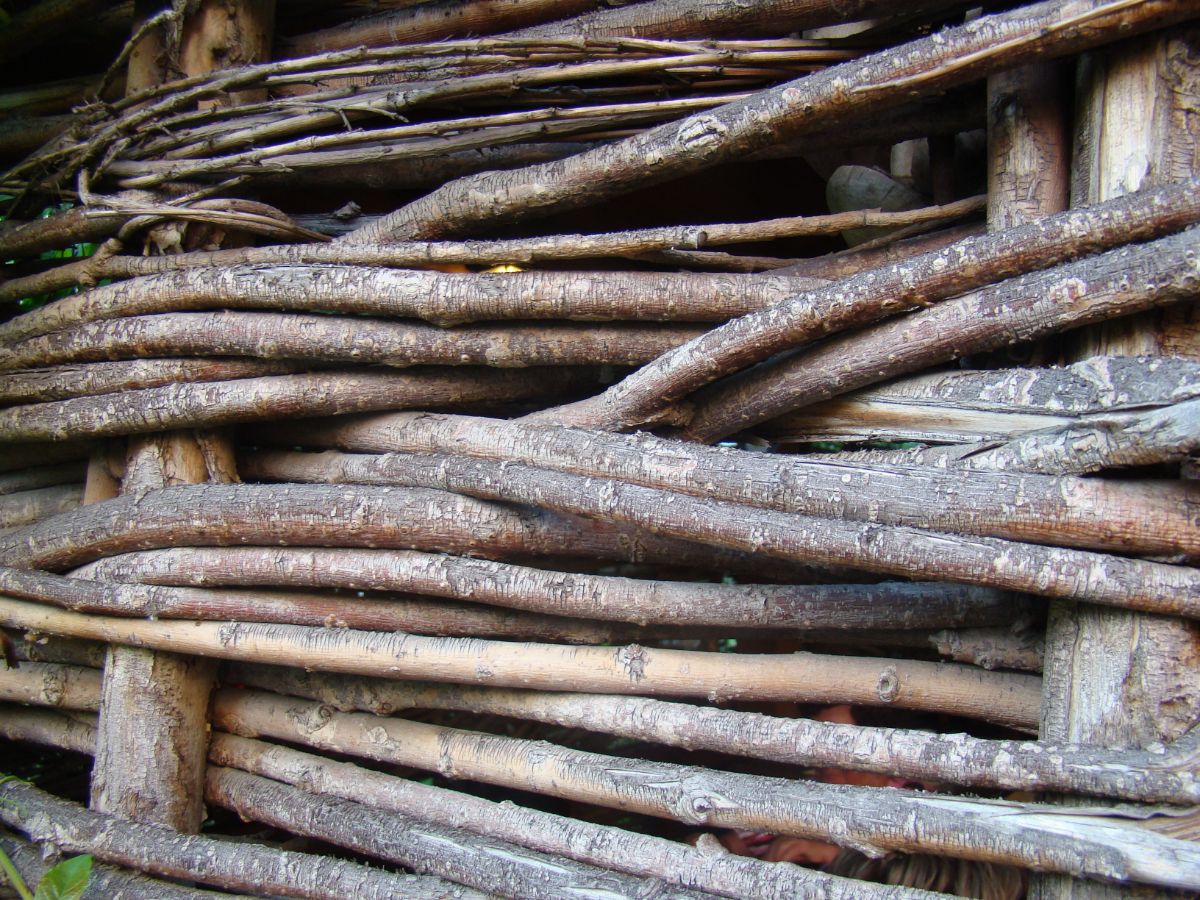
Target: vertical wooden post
{"x": 1116, "y": 678}
{"x": 152, "y": 734}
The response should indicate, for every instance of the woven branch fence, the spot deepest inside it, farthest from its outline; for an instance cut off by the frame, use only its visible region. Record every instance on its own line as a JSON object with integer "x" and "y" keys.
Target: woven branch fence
{"x": 678, "y": 448}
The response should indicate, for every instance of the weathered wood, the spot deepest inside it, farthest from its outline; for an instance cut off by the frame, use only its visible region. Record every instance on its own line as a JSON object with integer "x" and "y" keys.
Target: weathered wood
{"x": 27, "y": 507}
{"x": 325, "y": 340}
{"x": 912, "y": 552}
{"x": 212, "y": 404}
{"x": 42, "y": 476}
{"x": 966, "y": 265}
{"x": 1125, "y": 517}
{"x": 966, "y": 406}
{"x": 952, "y": 57}
{"x": 240, "y": 866}
{"x": 1158, "y": 774}
{"x": 304, "y": 515}
{"x": 1005, "y": 698}
{"x": 1039, "y": 837}
{"x": 843, "y": 607}
{"x": 640, "y": 854}
{"x": 50, "y": 684}
{"x": 459, "y": 856}
{"x": 48, "y": 728}
{"x": 1112, "y": 284}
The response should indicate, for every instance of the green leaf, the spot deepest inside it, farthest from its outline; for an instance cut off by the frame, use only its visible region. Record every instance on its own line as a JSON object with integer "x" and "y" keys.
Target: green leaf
{"x": 66, "y": 881}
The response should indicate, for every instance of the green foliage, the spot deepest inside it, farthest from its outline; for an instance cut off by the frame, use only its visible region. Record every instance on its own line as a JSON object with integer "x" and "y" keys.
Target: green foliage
{"x": 66, "y": 881}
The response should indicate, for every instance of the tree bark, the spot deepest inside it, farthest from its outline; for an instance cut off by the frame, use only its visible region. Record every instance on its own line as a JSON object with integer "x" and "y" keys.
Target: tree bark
{"x": 484, "y": 863}
{"x": 241, "y": 867}
{"x": 1004, "y": 698}
{"x": 28, "y": 507}
{"x": 858, "y": 88}
{"x": 901, "y": 550}
{"x": 1112, "y": 284}
{"x": 50, "y": 684}
{"x": 1119, "y": 516}
{"x": 213, "y": 404}
{"x": 870, "y": 819}
{"x": 1160, "y": 774}
{"x": 843, "y": 607}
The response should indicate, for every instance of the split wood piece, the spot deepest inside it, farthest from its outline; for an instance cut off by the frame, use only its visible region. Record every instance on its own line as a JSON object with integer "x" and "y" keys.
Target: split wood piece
{"x": 1115, "y": 283}
{"x": 103, "y": 880}
{"x": 434, "y": 22}
{"x": 1126, "y": 517}
{"x": 325, "y": 340}
{"x": 724, "y": 874}
{"x": 966, "y": 406}
{"x": 950, "y": 58}
{"x": 1162, "y": 774}
{"x": 516, "y": 250}
{"x": 873, "y": 820}
{"x": 900, "y": 550}
{"x": 970, "y": 264}
{"x": 67, "y": 382}
{"x": 443, "y": 298}
{"x": 844, "y": 607}
{"x": 306, "y": 515}
{"x": 712, "y": 18}
{"x": 1084, "y": 445}
{"x": 50, "y": 684}
{"x": 27, "y": 507}
{"x": 461, "y": 857}
{"x": 36, "y": 477}
{"x": 212, "y": 404}
{"x": 375, "y": 613}
{"x": 47, "y": 728}
{"x": 238, "y": 866}
{"x": 1005, "y": 698}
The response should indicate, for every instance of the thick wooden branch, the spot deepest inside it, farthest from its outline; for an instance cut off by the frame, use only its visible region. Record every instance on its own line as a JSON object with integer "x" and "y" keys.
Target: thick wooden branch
{"x": 36, "y": 477}
{"x": 952, "y": 57}
{"x": 1116, "y": 283}
{"x": 50, "y": 684}
{"x": 239, "y": 866}
{"x": 843, "y": 607}
{"x": 459, "y": 856}
{"x": 1004, "y": 698}
{"x": 969, "y": 264}
{"x": 1123, "y": 517}
{"x": 26, "y": 507}
{"x": 901, "y": 550}
{"x": 871, "y": 819}
{"x": 1160, "y": 774}
{"x": 210, "y": 404}
{"x": 326, "y": 340}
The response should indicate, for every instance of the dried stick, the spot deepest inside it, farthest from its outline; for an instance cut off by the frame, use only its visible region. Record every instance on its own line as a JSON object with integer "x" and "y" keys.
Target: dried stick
{"x": 43, "y": 476}
{"x": 66, "y": 382}
{"x": 1124, "y": 517}
{"x": 1004, "y": 698}
{"x": 348, "y": 340}
{"x": 870, "y": 819}
{"x": 965, "y": 265}
{"x": 992, "y": 562}
{"x": 241, "y": 866}
{"x": 843, "y": 607}
{"x": 209, "y": 404}
{"x": 859, "y": 88}
{"x": 1158, "y": 775}
{"x": 459, "y": 856}
{"x": 50, "y": 684}
{"x": 48, "y": 728}
{"x": 638, "y": 854}
{"x": 27, "y": 507}
{"x": 1106, "y": 286}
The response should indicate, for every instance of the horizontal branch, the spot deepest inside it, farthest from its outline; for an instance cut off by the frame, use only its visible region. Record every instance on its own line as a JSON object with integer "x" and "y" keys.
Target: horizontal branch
{"x": 804, "y": 106}
{"x": 1004, "y": 698}
{"x": 50, "y": 684}
{"x": 209, "y": 404}
{"x": 1126, "y": 517}
{"x": 326, "y": 339}
{"x": 27, "y": 507}
{"x": 900, "y": 550}
{"x": 968, "y": 264}
{"x": 1116, "y": 283}
{"x": 1157, "y": 775}
{"x": 874, "y": 820}
{"x": 241, "y": 866}
{"x": 843, "y": 607}
{"x": 49, "y": 475}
